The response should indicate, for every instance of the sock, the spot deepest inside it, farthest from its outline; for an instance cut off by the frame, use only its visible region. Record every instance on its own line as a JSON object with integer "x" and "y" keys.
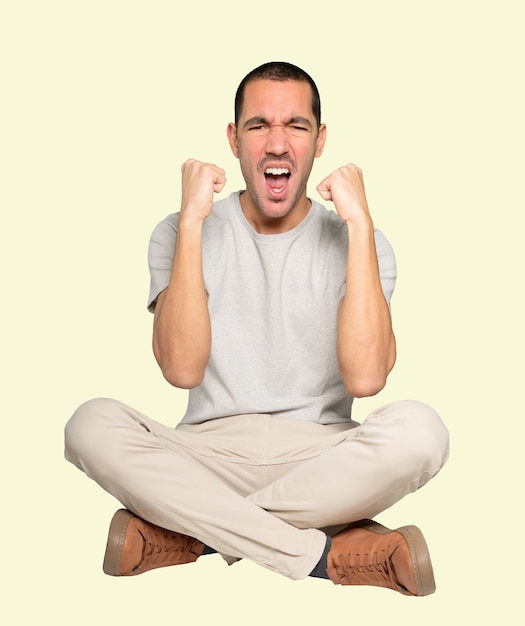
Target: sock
{"x": 319, "y": 571}
{"x": 208, "y": 550}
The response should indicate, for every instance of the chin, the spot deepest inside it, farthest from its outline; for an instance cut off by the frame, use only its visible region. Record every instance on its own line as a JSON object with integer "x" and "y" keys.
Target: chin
{"x": 275, "y": 212}
{"x": 275, "y": 208}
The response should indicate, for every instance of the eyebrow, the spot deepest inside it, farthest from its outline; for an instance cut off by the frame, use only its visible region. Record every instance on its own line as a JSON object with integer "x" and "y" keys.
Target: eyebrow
{"x": 293, "y": 120}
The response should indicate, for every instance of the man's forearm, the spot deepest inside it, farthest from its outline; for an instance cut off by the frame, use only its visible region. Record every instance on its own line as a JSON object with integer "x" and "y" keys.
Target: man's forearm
{"x": 182, "y": 331}
{"x": 365, "y": 341}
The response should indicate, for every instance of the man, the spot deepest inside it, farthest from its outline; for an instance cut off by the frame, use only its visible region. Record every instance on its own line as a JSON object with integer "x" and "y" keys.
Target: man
{"x": 274, "y": 312}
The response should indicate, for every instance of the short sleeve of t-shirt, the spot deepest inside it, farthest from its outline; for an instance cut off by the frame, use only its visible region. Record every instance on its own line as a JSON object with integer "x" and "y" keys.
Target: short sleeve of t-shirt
{"x": 387, "y": 264}
{"x": 160, "y": 257}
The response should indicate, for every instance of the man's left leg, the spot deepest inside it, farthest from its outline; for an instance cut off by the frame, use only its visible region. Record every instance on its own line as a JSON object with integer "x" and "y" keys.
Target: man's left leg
{"x": 361, "y": 472}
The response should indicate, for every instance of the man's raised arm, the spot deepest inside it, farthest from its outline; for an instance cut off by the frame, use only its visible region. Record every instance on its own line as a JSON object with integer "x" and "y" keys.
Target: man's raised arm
{"x": 181, "y": 328}
{"x": 366, "y": 347}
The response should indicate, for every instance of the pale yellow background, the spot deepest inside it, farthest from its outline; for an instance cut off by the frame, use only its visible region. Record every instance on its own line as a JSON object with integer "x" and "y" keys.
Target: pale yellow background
{"x": 100, "y": 104}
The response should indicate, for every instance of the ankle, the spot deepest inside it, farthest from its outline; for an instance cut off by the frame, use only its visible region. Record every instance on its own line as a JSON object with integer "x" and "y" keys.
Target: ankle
{"x": 319, "y": 571}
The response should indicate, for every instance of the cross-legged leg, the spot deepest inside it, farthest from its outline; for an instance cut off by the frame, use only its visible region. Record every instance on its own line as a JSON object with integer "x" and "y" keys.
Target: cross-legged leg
{"x": 355, "y": 475}
{"x": 364, "y": 470}
{"x": 181, "y": 481}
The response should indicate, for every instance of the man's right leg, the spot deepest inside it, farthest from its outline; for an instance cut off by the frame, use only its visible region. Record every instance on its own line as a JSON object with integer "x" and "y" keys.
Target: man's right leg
{"x": 156, "y": 473}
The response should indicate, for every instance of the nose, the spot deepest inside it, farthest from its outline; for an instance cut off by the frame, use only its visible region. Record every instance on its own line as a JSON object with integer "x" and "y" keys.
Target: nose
{"x": 277, "y": 140}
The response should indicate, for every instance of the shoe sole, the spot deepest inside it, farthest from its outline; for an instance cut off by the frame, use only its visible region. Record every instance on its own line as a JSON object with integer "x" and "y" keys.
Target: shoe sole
{"x": 421, "y": 563}
{"x": 115, "y": 543}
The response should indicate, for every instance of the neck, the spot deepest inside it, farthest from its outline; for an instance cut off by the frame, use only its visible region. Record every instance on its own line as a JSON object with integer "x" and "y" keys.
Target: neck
{"x": 273, "y": 225}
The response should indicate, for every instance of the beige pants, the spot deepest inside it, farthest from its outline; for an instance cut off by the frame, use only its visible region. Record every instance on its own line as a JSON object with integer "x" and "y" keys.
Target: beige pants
{"x": 255, "y": 486}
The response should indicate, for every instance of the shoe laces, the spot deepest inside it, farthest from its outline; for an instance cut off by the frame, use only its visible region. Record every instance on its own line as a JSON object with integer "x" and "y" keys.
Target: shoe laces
{"x": 368, "y": 569}
{"x": 164, "y": 546}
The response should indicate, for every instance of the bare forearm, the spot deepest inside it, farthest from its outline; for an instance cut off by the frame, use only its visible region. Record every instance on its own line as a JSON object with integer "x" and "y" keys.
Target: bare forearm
{"x": 365, "y": 341}
{"x": 182, "y": 332}
{"x": 182, "y": 329}
{"x": 366, "y": 348}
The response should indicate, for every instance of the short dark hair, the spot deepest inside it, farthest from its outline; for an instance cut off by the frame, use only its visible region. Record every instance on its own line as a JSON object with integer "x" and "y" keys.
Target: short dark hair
{"x": 279, "y": 71}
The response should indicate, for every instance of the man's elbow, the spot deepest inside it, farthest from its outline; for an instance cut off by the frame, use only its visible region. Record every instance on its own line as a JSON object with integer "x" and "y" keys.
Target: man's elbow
{"x": 183, "y": 378}
{"x": 182, "y": 371}
{"x": 364, "y": 387}
{"x": 363, "y": 380}
{"x": 360, "y": 383}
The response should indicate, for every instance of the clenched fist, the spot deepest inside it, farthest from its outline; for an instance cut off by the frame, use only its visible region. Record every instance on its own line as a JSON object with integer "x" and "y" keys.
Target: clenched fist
{"x": 199, "y": 182}
{"x": 346, "y": 189}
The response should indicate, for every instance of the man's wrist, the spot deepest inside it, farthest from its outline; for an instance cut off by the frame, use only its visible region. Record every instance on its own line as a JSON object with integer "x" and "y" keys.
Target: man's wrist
{"x": 190, "y": 222}
{"x": 361, "y": 226}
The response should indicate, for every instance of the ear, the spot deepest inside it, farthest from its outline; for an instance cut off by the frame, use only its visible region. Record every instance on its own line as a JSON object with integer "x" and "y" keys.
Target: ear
{"x": 232, "y": 138}
{"x": 321, "y": 139}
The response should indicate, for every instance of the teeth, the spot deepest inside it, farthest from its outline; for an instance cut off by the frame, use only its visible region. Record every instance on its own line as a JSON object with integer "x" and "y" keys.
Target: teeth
{"x": 277, "y": 171}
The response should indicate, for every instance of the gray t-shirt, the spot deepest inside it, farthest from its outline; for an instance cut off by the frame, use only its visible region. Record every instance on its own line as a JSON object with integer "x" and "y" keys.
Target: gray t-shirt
{"x": 273, "y": 306}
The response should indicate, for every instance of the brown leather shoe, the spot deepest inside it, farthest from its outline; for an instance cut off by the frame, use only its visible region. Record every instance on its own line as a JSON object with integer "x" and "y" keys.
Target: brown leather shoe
{"x": 366, "y": 553}
{"x": 135, "y": 546}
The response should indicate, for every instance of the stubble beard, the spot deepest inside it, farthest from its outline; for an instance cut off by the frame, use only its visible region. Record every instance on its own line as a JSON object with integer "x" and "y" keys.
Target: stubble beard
{"x": 288, "y": 203}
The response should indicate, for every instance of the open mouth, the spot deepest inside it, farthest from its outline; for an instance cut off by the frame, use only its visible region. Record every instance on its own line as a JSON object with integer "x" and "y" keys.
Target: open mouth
{"x": 277, "y": 180}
